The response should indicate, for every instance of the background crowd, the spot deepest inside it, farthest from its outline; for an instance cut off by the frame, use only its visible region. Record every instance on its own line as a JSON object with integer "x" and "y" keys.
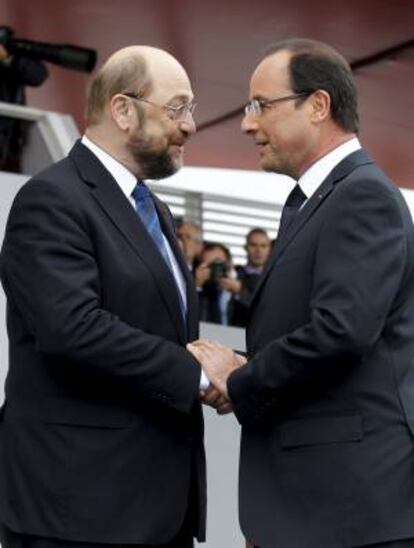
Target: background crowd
{"x": 224, "y": 289}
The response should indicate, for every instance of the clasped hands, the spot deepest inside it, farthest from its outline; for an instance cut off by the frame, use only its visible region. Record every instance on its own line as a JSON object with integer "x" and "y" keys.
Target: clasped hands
{"x": 218, "y": 362}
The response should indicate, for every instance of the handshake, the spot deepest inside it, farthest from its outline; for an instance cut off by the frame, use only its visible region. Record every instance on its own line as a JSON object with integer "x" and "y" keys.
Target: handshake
{"x": 218, "y": 362}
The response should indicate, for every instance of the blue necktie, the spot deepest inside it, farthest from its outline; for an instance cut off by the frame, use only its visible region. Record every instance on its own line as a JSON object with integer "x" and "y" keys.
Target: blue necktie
{"x": 144, "y": 205}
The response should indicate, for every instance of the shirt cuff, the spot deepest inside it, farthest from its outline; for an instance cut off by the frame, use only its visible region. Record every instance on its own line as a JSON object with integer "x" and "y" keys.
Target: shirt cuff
{"x": 204, "y": 382}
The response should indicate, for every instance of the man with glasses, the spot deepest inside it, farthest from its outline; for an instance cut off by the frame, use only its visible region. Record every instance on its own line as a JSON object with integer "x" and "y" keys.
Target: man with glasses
{"x": 326, "y": 398}
{"x": 101, "y": 434}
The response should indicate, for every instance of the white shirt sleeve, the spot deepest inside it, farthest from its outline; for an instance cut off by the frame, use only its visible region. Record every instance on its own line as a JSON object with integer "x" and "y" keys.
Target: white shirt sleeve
{"x": 204, "y": 382}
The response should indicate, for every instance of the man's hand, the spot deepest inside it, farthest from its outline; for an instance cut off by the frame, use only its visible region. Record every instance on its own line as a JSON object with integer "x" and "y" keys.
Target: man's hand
{"x": 230, "y": 284}
{"x": 202, "y": 274}
{"x": 215, "y": 399}
{"x": 218, "y": 362}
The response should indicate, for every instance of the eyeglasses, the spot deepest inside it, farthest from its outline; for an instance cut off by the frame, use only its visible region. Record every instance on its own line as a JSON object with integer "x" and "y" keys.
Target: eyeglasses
{"x": 257, "y": 106}
{"x": 176, "y": 113}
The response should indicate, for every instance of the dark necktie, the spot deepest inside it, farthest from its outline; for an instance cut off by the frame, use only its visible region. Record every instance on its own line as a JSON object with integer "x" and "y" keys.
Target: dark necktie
{"x": 290, "y": 209}
{"x": 144, "y": 205}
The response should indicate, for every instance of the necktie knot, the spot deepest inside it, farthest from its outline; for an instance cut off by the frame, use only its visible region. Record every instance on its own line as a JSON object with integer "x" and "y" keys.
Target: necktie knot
{"x": 293, "y": 203}
{"x": 141, "y": 191}
{"x": 296, "y": 197}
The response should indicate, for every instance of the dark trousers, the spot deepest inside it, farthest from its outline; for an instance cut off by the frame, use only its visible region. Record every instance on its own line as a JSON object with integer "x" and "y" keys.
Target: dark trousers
{"x": 10, "y": 539}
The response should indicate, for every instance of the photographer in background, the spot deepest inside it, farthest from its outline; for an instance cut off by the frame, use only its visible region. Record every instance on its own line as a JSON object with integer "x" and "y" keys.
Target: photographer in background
{"x": 15, "y": 73}
{"x": 215, "y": 301}
{"x": 257, "y": 248}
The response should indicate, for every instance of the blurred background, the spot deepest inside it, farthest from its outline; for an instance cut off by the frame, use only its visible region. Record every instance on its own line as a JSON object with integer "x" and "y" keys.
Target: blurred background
{"x": 219, "y": 43}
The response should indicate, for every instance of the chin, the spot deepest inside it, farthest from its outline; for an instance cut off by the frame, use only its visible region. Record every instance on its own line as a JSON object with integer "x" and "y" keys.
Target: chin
{"x": 272, "y": 167}
{"x": 265, "y": 163}
{"x": 268, "y": 166}
{"x": 166, "y": 171}
{"x": 174, "y": 165}
{"x": 158, "y": 165}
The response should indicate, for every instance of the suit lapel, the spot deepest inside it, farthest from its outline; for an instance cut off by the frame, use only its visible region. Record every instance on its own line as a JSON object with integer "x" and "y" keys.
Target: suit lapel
{"x": 120, "y": 212}
{"x": 345, "y": 167}
{"x": 192, "y": 299}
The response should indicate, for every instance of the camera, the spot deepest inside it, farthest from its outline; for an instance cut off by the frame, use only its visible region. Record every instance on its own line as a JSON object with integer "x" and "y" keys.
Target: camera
{"x": 218, "y": 269}
{"x": 71, "y": 57}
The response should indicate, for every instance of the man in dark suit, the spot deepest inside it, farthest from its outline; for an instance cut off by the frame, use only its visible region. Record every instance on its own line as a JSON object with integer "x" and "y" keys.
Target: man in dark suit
{"x": 101, "y": 437}
{"x": 326, "y": 398}
{"x": 243, "y": 287}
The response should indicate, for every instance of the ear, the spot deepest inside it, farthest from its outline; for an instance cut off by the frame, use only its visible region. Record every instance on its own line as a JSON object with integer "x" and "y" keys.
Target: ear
{"x": 121, "y": 111}
{"x": 321, "y": 106}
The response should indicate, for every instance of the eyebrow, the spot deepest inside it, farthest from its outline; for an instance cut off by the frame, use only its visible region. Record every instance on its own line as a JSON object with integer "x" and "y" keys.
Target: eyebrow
{"x": 181, "y": 98}
{"x": 259, "y": 98}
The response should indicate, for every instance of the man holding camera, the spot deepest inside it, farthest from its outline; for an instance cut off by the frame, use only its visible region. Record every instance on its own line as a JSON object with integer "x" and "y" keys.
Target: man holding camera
{"x": 211, "y": 277}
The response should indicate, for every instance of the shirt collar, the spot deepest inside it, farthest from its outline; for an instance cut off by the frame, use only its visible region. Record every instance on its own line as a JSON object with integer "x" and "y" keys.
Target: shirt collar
{"x": 318, "y": 171}
{"x": 249, "y": 269}
{"x": 125, "y": 179}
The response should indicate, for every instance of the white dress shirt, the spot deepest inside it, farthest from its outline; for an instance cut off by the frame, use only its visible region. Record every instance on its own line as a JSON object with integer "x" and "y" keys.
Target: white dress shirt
{"x": 317, "y": 173}
{"x": 127, "y": 182}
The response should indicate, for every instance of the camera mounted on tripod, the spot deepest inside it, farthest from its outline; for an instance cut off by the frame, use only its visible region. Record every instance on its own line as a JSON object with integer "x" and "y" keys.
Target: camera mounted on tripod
{"x": 64, "y": 55}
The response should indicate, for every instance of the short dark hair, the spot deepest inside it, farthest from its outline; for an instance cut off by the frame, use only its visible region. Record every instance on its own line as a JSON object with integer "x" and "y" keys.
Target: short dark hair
{"x": 315, "y": 65}
{"x": 209, "y": 246}
{"x": 256, "y": 230}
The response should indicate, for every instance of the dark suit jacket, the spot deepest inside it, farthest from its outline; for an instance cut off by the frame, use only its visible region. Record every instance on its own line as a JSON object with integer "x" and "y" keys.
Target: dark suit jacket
{"x": 327, "y": 399}
{"x": 241, "y": 302}
{"x": 101, "y": 435}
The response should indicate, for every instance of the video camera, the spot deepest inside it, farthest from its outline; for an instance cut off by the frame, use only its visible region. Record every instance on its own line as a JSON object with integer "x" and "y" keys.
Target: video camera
{"x": 71, "y": 57}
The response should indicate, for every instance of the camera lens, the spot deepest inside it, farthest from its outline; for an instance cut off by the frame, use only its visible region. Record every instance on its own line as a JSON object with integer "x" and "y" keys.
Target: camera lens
{"x": 218, "y": 270}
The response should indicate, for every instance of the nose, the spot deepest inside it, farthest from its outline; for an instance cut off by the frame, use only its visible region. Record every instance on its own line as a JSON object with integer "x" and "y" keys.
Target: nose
{"x": 249, "y": 124}
{"x": 187, "y": 125}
